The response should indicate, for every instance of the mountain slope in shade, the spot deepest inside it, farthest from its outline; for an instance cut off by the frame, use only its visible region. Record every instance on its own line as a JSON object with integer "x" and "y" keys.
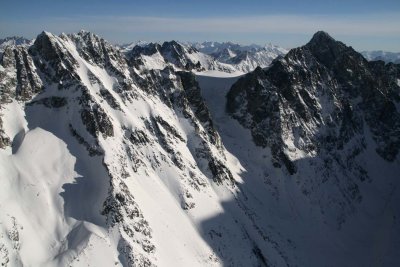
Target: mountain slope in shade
{"x": 330, "y": 121}
{"x": 114, "y": 159}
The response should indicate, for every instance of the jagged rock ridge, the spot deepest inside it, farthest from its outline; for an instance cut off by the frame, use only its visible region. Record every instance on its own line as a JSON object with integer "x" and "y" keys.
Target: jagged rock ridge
{"x": 324, "y": 112}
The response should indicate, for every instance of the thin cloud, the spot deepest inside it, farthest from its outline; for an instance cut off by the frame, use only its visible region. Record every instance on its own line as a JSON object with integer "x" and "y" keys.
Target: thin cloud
{"x": 381, "y": 24}
{"x": 361, "y": 30}
{"x": 376, "y": 25}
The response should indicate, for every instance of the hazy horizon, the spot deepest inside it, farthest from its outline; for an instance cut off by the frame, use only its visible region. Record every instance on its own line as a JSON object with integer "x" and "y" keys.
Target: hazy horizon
{"x": 364, "y": 25}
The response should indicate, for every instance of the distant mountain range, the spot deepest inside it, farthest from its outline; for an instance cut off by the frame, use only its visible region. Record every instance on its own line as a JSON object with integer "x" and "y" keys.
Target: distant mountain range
{"x": 228, "y": 57}
{"x": 382, "y": 55}
{"x": 225, "y": 56}
{"x": 12, "y": 41}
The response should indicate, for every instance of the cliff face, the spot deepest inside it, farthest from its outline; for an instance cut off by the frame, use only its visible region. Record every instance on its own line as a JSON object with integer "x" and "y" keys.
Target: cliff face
{"x": 318, "y": 98}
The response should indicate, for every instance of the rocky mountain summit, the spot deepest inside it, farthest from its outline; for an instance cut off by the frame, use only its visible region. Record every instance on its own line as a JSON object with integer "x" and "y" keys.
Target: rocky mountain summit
{"x": 113, "y": 158}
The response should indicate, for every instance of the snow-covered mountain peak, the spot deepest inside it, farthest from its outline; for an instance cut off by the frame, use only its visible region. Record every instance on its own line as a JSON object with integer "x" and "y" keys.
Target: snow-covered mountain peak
{"x": 329, "y": 51}
{"x": 323, "y": 40}
{"x": 177, "y": 50}
{"x": 321, "y": 36}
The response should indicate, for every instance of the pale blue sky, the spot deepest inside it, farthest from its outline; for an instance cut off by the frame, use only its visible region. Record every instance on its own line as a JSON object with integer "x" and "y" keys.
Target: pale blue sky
{"x": 365, "y": 25}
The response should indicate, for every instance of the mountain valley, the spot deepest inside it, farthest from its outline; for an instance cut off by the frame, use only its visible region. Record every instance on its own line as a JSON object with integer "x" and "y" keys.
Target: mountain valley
{"x": 197, "y": 154}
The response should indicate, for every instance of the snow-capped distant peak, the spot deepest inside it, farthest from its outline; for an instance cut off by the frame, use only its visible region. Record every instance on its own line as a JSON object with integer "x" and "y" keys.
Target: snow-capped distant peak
{"x": 382, "y": 55}
{"x": 129, "y": 46}
{"x": 12, "y": 41}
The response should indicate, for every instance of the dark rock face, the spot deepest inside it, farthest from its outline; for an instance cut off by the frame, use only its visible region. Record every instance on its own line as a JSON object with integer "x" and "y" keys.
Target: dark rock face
{"x": 4, "y": 140}
{"x": 147, "y": 50}
{"x": 135, "y": 55}
{"x": 93, "y": 149}
{"x": 27, "y": 83}
{"x": 192, "y": 93}
{"x": 374, "y": 83}
{"x": 285, "y": 101}
{"x": 95, "y": 118}
{"x": 53, "y": 59}
{"x": 176, "y": 49}
{"x": 18, "y": 81}
{"x": 195, "y": 108}
{"x": 99, "y": 52}
{"x": 120, "y": 208}
{"x": 177, "y": 54}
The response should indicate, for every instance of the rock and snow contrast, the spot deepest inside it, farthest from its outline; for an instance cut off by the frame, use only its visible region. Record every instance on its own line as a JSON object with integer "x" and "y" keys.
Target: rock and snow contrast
{"x": 208, "y": 56}
{"x": 161, "y": 155}
{"x": 176, "y": 55}
{"x": 12, "y": 41}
